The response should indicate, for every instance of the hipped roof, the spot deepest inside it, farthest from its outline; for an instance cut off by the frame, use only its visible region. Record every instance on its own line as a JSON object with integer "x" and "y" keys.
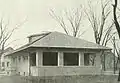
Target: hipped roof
{"x": 61, "y": 40}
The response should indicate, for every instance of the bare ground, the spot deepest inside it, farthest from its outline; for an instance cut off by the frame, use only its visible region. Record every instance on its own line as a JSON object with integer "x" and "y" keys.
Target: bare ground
{"x": 61, "y": 79}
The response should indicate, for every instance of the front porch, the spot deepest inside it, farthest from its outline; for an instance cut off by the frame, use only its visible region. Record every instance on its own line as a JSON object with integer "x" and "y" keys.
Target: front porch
{"x": 53, "y": 62}
{"x": 63, "y": 63}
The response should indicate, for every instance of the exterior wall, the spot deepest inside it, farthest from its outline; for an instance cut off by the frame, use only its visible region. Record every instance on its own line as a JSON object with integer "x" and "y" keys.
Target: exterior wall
{"x": 59, "y": 71}
{"x": 20, "y": 66}
{"x": 40, "y": 70}
{"x": 5, "y": 60}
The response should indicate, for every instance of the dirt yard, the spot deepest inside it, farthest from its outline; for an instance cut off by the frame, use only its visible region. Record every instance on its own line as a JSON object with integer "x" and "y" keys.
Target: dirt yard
{"x": 10, "y": 79}
{"x": 61, "y": 79}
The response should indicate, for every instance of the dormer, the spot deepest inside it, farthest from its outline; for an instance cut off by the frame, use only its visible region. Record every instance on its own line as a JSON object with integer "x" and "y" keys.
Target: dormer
{"x": 35, "y": 37}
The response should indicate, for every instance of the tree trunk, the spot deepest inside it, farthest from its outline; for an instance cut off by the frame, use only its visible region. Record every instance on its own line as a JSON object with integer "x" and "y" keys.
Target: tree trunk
{"x": 117, "y": 26}
{"x": 119, "y": 76}
{"x": 115, "y": 18}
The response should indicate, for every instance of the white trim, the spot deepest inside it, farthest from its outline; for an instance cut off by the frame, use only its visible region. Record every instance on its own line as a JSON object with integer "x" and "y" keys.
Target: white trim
{"x": 37, "y": 58}
{"x": 58, "y": 59}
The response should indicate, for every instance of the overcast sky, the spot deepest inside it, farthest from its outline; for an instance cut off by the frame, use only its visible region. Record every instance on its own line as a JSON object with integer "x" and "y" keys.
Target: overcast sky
{"x": 36, "y": 13}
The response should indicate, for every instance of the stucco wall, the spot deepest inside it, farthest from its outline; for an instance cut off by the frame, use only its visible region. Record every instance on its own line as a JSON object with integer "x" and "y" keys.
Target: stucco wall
{"x": 60, "y": 71}
{"x": 39, "y": 70}
{"x": 21, "y": 66}
{"x": 6, "y": 67}
{"x": 5, "y": 60}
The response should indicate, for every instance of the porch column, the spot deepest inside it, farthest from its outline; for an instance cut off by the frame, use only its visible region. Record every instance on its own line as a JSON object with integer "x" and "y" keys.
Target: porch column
{"x": 39, "y": 58}
{"x": 81, "y": 59}
{"x": 29, "y": 70}
{"x": 98, "y": 64}
{"x": 98, "y": 59}
{"x": 60, "y": 59}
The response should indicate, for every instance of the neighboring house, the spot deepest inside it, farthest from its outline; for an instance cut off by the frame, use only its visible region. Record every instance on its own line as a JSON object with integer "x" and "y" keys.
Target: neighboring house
{"x": 54, "y": 54}
{"x": 109, "y": 61}
{"x": 5, "y": 61}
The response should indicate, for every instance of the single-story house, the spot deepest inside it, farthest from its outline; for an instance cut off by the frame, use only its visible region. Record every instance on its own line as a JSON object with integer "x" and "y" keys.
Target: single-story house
{"x": 5, "y": 60}
{"x": 56, "y": 54}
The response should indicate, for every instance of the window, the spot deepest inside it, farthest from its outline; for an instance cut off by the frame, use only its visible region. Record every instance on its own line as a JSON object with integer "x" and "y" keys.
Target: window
{"x": 3, "y": 64}
{"x": 50, "y": 58}
{"x": 89, "y": 59}
{"x": 71, "y": 59}
{"x": 19, "y": 58}
{"x": 33, "y": 59}
{"x": 24, "y": 73}
{"x": 18, "y": 73}
{"x": 23, "y": 58}
{"x": 13, "y": 59}
{"x": 26, "y": 57}
{"x": 8, "y": 64}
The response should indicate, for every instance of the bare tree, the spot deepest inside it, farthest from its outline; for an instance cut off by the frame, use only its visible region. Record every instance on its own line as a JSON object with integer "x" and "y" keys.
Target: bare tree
{"x": 117, "y": 62}
{"x": 102, "y": 33}
{"x": 5, "y": 34}
{"x": 116, "y": 51}
{"x": 102, "y": 28}
{"x": 72, "y": 18}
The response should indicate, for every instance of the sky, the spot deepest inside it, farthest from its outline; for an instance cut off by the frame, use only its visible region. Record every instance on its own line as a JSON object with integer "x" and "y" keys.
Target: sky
{"x": 35, "y": 18}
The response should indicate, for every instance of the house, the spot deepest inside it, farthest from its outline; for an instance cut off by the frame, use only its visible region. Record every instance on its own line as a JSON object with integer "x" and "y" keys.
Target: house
{"x": 5, "y": 61}
{"x": 56, "y": 54}
{"x": 109, "y": 61}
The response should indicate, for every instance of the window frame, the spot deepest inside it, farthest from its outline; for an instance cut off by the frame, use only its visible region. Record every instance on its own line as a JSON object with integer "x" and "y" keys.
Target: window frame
{"x": 31, "y": 64}
{"x": 19, "y": 58}
{"x": 8, "y": 64}
{"x": 73, "y": 55}
{"x": 89, "y": 57}
{"x": 14, "y": 59}
{"x": 49, "y": 65}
